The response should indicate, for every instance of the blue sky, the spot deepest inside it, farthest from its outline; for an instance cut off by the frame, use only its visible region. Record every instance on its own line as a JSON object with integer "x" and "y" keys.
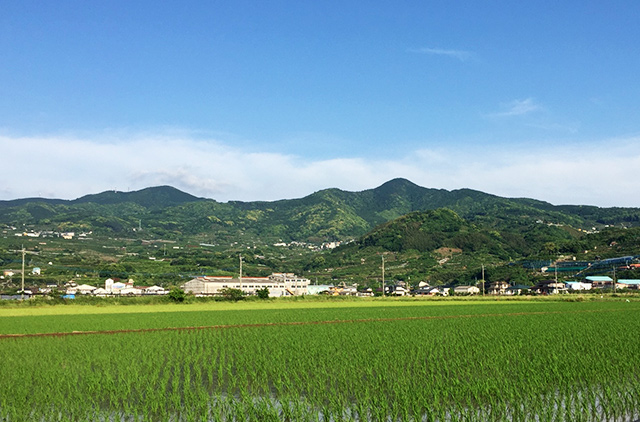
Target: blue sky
{"x": 264, "y": 100}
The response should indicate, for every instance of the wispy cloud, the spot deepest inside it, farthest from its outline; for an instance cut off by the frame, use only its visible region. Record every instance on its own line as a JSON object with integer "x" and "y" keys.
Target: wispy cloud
{"x": 461, "y": 55}
{"x": 517, "y": 108}
{"x": 59, "y": 167}
{"x": 570, "y": 128}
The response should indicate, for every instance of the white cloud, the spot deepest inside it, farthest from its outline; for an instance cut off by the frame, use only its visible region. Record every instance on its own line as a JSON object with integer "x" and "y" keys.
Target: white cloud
{"x": 461, "y": 55}
{"x": 517, "y": 108}
{"x": 570, "y": 128}
{"x": 602, "y": 173}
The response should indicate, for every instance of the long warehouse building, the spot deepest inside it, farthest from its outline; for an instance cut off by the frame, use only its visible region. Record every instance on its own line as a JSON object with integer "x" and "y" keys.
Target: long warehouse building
{"x": 279, "y": 284}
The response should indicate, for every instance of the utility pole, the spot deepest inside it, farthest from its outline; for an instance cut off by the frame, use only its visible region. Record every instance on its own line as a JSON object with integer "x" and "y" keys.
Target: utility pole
{"x": 614, "y": 279}
{"x": 22, "y": 286}
{"x": 383, "y": 276}
{"x": 240, "y": 272}
{"x": 482, "y": 279}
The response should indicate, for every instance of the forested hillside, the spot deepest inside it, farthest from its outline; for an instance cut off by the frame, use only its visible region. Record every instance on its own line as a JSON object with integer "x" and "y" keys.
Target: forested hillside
{"x": 162, "y": 236}
{"x": 327, "y": 215}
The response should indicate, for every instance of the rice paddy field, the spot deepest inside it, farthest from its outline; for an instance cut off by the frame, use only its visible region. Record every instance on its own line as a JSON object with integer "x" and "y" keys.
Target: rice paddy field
{"x": 323, "y": 361}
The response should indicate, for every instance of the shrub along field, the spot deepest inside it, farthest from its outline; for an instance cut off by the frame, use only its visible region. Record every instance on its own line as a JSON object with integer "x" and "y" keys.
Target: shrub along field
{"x": 297, "y": 361}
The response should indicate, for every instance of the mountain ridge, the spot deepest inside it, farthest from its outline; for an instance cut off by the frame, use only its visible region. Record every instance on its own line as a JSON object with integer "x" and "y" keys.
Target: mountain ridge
{"x": 325, "y": 215}
{"x": 111, "y": 197}
{"x": 393, "y": 186}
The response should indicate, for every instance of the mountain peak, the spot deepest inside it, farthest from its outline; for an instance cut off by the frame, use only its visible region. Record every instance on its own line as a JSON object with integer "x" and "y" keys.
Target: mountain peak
{"x": 158, "y": 196}
{"x": 398, "y": 183}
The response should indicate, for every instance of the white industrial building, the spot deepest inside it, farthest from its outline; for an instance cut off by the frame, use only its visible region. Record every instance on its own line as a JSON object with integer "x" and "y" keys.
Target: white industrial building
{"x": 279, "y": 284}
{"x": 127, "y": 289}
{"x": 83, "y": 289}
{"x": 466, "y": 290}
{"x": 578, "y": 285}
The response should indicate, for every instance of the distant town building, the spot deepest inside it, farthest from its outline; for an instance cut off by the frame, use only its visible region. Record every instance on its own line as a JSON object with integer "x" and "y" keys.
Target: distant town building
{"x": 155, "y": 290}
{"x": 316, "y": 289}
{"x": 279, "y": 284}
{"x": 343, "y": 289}
{"x": 549, "y": 287}
{"x": 83, "y": 289}
{"x": 397, "y": 290}
{"x": 631, "y": 284}
{"x": 498, "y": 288}
{"x": 578, "y": 285}
{"x": 518, "y": 289}
{"x": 426, "y": 290}
{"x": 599, "y": 281}
{"x": 466, "y": 290}
{"x": 604, "y": 282}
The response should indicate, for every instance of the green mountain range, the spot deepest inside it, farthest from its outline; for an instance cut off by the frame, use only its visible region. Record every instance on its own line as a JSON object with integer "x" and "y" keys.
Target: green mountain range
{"x": 327, "y": 215}
{"x": 160, "y": 235}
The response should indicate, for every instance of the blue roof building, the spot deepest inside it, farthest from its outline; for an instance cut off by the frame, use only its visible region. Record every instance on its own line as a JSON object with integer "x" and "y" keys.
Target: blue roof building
{"x": 629, "y": 282}
{"x": 598, "y": 279}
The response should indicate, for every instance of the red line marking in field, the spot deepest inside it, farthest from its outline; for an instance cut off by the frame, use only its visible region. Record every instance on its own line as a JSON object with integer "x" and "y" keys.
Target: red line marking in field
{"x": 285, "y": 323}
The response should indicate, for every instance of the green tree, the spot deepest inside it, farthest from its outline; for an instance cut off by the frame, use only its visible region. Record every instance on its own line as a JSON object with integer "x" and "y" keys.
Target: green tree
{"x": 232, "y": 294}
{"x": 551, "y": 248}
{"x": 263, "y": 293}
{"x": 55, "y": 294}
{"x": 177, "y": 295}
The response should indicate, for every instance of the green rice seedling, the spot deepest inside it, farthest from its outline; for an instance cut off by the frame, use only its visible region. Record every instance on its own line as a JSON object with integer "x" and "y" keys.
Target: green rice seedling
{"x": 471, "y": 366}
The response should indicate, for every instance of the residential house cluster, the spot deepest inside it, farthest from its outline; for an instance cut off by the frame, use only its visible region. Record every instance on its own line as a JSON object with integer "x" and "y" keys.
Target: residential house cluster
{"x": 504, "y": 288}
{"x": 425, "y": 289}
{"x": 588, "y": 283}
{"x": 342, "y": 289}
{"x": 50, "y": 233}
{"x": 112, "y": 288}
